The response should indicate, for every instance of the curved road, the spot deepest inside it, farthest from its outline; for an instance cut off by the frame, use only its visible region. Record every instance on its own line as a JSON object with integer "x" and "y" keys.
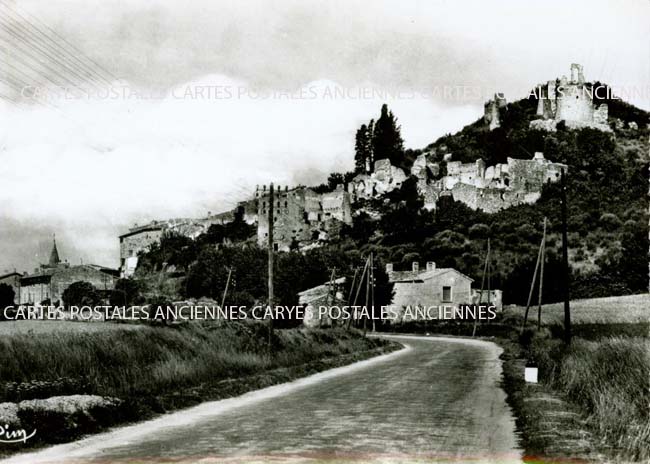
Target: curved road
{"x": 438, "y": 399}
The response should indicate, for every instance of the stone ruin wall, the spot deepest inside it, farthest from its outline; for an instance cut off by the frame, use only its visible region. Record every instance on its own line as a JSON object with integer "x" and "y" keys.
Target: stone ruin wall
{"x": 569, "y": 100}
{"x": 302, "y": 215}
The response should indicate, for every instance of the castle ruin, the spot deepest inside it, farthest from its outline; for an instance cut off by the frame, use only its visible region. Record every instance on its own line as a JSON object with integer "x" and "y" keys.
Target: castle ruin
{"x": 569, "y": 100}
{"x": 491, "y": 111}
{"x": 301, "y": 216}
{"x": 488, "y": 188}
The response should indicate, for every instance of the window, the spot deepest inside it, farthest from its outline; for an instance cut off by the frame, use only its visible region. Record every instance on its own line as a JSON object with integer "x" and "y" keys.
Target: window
{"x": 446, "y": 294}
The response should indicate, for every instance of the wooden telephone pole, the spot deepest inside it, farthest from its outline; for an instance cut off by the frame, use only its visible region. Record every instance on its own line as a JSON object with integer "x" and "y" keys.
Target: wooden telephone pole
{"x": 356, "y": 296}
{"x": 270, "y": 273}
{"x": 486, "y": 268}
{"x": 365, "y": 319}
{"x": 539, "y": 265}
{"x": 565, "y": 262}
{"x": 541, "y": 279}
{"x": 225, "y": 292}
{"x": 372, "y": 291}
{"x": 354, "y": 281}
{"x": 331, "y": 297}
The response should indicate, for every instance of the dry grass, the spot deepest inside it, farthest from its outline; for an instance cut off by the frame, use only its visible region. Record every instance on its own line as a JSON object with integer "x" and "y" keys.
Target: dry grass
{"x": 41, "y": 327}
{"x": 155, "y": 360}
{"x": 610, "y": 380}
{"x": 629, "y": 309}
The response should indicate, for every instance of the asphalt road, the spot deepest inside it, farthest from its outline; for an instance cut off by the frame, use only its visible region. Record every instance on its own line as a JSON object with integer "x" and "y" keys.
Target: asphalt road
{"x": 439, "y": 399}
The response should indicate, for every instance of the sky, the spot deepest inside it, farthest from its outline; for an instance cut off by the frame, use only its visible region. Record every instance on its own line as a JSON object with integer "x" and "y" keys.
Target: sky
{"x": 195, "y": 103}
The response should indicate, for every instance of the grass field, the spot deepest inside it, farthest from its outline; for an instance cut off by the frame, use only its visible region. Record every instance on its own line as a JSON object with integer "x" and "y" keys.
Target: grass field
{"x": 42, "y": 327}
{"x": 629, "y": 309}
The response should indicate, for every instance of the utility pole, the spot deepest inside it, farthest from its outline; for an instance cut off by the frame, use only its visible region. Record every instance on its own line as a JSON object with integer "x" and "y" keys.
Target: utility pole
{"x": 480, "y": 293}
{"x": 532, "y": 285}
{"x": 356, "y": 296}
{"x": 565, "y": 262}
{"x": 332, "y": 293}
{"x": 541, "y": 278}
{"x": 365, "y": 319}
{"x": 225, "y": 292}
{"x": 354, "y": 281}
{"x": 270, "y": 251}
{"x": 372, "y": 290}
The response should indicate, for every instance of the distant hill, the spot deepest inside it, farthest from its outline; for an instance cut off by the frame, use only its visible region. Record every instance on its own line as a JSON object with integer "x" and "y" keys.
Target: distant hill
{"x": 607, "y": 197}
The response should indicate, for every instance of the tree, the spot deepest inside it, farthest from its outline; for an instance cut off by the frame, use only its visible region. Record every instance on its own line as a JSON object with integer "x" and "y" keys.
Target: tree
{"x": 127, "y": 292}
{"x": 81, "y": 293}
{"x": 361, "y": 155}
{"x": 7, "y": 295}
{"x": 387, "y": 140}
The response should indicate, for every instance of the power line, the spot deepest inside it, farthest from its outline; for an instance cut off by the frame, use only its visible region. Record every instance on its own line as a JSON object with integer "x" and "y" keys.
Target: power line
{"x": 36, "y": 44}
{"x": 27, "y": 65}
{"x": 42, "y": 63}
{"x": 76, "y": 50}
{"x": 17, "y": 20}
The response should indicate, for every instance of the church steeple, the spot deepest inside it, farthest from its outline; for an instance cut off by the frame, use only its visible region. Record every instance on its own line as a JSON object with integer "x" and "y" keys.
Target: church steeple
{"x": 54, "y": 256}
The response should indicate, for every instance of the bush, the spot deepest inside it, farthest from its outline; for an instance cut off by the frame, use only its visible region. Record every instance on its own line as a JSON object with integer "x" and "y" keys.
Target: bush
{"x": 610, "y": 222}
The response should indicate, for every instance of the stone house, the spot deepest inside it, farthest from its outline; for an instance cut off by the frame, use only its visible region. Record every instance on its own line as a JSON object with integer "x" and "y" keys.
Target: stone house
{"x": 48, "y": 282}
{"x": 431, "y": 286}
{"x": 323, "y": 295}
{"x": 137, "y": 239}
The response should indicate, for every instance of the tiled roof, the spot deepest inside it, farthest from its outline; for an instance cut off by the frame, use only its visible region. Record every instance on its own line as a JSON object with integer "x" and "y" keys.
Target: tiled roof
{"x": 409, "y": 276}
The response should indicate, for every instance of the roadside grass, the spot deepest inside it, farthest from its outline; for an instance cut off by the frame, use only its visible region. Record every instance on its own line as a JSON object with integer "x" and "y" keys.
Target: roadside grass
{"x": 38, "y": 327}
{"x": 152, "y": 360}
{"x": 610, "y": 380}
{"x": 153, "y": 370}
{"x": 594, "y": 393}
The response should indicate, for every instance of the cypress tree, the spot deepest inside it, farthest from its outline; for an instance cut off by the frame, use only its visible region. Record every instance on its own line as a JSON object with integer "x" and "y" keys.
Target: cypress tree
{"x": 387, "y": 141}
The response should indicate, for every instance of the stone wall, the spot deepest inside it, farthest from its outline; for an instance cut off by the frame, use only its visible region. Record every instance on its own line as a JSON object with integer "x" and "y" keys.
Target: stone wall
{"x": 302, "y": 215}
{"x": 571, "y": 101}
{"x": 429, "y": 292}
{"x": 385, "y": 178}
{"x": 495, "y": 187}
{"x": 491, "y": 111}
{"x": 52, "y": 282}
{"x": 574, "y": 104}
{"x": 134, "y": 242}
{"x": 63, "y": 278}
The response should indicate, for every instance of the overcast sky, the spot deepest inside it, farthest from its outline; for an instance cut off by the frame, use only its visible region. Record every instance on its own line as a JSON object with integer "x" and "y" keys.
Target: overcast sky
{"x": 247, "y": 92}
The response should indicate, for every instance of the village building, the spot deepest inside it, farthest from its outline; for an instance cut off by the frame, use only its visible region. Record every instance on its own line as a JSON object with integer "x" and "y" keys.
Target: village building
{"x": 432, "y": 286}
{"x": 136, "y": 240}
{"x": 48, "y": 282}
{"x": 326, "y": 295}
